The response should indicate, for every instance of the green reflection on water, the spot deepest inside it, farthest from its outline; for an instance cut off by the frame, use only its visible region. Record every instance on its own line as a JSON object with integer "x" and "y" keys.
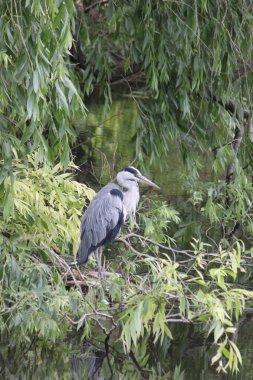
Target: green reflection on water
{"x": 109, "y": 140}
{"x": 79, "y": 360}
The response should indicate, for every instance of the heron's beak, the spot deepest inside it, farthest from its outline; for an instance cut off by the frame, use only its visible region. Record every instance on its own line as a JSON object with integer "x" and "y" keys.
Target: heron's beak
{"x": 147, "y": 181}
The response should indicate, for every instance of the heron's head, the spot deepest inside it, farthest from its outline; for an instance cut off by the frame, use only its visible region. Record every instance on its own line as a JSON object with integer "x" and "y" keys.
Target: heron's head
{"x": 129, "y": 176}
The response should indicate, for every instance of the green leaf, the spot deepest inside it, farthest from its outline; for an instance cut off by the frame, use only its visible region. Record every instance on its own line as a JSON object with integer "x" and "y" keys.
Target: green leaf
{"x": 35, "y": 81}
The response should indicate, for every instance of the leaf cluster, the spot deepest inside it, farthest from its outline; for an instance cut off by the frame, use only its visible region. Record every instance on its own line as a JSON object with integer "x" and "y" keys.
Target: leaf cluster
{"x": 40, "y": 214}
{"x": 38, "y": 94}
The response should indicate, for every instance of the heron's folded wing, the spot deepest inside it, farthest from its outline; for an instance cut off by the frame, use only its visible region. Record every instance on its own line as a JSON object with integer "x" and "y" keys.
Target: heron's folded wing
{"x": 101, "y": 222}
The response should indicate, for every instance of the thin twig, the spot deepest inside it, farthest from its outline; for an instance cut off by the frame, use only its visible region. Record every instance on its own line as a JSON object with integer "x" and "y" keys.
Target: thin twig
{"x": 95, "y": 4}
{"x": 136, "y": 365}
{"x": 107, "y": 354}
{"x": 173, "y": 250}
{"x": 64, "y": 264}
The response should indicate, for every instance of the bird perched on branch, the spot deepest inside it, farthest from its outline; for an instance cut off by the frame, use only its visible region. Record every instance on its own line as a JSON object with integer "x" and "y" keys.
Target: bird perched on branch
{"x": 107, "y": 212}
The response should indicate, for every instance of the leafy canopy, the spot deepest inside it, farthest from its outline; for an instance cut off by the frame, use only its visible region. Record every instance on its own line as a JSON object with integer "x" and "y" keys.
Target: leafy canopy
{"x": 38, "y": 93}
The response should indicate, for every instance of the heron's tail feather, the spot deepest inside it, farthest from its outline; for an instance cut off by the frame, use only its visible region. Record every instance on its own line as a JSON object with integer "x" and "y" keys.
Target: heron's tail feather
{"x": 82, "y": 254}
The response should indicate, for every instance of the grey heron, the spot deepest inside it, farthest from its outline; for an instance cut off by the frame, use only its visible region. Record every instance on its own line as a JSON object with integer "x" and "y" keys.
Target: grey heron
{"x": 107, "y": 212}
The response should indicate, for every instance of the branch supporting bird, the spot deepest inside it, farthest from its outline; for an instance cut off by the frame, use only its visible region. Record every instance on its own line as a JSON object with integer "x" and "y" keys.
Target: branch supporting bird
{"x": 107, "y": 213}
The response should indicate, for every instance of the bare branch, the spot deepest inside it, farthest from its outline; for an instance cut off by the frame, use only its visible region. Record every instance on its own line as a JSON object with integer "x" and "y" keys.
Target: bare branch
{"x": 65, "y": 265}
{"x": 166, "y": 248}
{"x": 229, "y": 105}
{"x": 239, "y": 132}
{"x": 243, "y": 70}
{"x": 95, "y": 4}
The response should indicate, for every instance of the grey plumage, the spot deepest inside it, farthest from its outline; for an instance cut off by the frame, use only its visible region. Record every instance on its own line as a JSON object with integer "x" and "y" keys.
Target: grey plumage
{"x": 107, "y": 213}
{"x": 103, "y": 215}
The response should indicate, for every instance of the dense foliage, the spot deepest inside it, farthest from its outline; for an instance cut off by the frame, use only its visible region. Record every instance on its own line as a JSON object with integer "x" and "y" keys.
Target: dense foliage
{"x": 187, "y": 68}
{"x": 38, "y": 96}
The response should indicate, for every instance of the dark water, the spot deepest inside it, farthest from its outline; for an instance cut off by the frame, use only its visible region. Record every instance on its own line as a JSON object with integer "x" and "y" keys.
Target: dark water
{"x": 74, "y": 359}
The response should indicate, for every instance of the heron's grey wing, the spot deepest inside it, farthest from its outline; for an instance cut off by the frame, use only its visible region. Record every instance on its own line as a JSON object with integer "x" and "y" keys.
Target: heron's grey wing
{"x": 106, "y": 189}
{"x": 102, "y": 221}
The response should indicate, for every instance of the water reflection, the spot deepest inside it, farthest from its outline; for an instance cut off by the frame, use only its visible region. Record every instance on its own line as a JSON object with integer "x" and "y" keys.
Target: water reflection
{"x": 78, "y": 360}
{"x": 108, "y": 139}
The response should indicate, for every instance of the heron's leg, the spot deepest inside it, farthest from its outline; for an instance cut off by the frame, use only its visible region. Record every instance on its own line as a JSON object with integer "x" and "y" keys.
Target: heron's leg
{"x": 99, "y": 260}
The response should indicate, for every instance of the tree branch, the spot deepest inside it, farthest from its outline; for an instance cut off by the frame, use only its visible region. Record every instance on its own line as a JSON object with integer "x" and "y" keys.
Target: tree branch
{"x": 243, "y": 70}
{"x": 172, "y": 250}
{"x": 137, "y": 366}
{"x": 64, "y": 265}
{"x": 230, "y": 106}
{"x": 239, "y": 132}
{"x": 95, "y": 4}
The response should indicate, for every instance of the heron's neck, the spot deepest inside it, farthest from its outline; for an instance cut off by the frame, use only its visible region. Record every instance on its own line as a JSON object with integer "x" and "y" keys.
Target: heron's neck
{"x": 131, "y": 199}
